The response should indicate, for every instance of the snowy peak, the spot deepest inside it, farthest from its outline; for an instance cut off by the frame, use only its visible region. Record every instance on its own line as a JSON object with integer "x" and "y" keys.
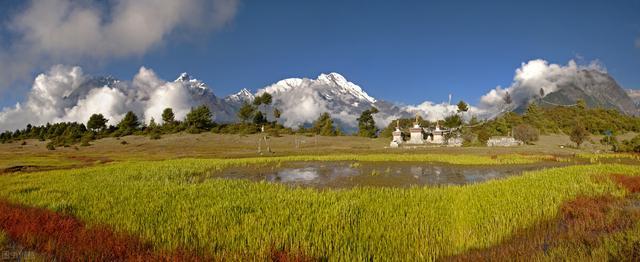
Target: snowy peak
{"x": 345, "y": 86}
{"x": 243, "y": 96}
{"x": 330, "y": 86}
{"x": 185, "y": 78}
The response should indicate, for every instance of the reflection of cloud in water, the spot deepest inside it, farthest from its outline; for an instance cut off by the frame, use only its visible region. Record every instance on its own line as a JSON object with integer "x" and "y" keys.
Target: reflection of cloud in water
{"x": 475, "y": 176}
{"x": 296, "y": 175}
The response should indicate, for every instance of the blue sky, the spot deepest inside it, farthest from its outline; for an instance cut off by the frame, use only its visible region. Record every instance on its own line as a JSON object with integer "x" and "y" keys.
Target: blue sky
{"x": 401, "y": 51}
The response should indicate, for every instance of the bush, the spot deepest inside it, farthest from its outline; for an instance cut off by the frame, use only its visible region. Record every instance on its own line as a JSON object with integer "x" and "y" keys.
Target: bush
{"x": 50, "y": 146}
{"x": 526, "y": 133}
{"x": 579, "y": 134}
{"x": 632, "y": 145}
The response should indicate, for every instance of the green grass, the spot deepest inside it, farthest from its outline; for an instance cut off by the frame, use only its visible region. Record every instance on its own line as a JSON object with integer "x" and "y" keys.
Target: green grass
{"x": 162, "y": 202}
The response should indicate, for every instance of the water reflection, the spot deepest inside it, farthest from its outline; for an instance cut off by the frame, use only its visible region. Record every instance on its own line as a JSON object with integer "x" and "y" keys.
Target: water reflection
{"x": 349, "y": 174}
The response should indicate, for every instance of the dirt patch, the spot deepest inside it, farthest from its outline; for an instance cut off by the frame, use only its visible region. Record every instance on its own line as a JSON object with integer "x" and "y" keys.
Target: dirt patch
{"x": 26, "y": 168}
{"x": 65, "y": 238}
{"x": 91, "y": 160}
{"x": 582, "y": 222}
{"x": 84, "y": 161}
{"x": 10, "y": 251}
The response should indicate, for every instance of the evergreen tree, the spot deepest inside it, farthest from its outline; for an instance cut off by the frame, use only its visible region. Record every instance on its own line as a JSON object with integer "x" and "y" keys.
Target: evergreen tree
{"x": 168, "y": 117}
{"x": 199, "y": 119}
{"x": 366, "y": 124}
{"x": 324, "y": 125}
{"x": 462, "y": 107}
{"x": 97, "y": 122}
{"x": 128, "y": 124}
{"x": 453, "y": 121}
{"x": 245, "y": 112}
{"x": 259, "y": 119}
{"x": 507, "y": 98}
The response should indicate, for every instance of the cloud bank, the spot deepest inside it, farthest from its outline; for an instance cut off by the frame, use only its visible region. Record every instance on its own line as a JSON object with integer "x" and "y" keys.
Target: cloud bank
{"x": 67, "y": 31}
{"x": 66, "y": 94}
{"x": 527, "y": 82}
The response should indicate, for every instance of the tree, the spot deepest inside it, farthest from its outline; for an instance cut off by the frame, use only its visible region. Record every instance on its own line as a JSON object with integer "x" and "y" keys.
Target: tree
{"x": 533, "y": 115}
{"x": 199, "y": 119}
{"x": 264, "y": 99}
{"x": 153, "y": 130}
{"x": 258, "y": 118}
{"x": 541, "y": 92}
{"x": 507, "y": 98}
{"x": 245, "y": 112}
{"x": 168, "y": 117}
{"x": 366, "y": 124}
{"x": 128, "y": 124}
{"x": 579, "y": 134}
{"x": 525, "y": 133}
{"x": 452, "y": 121}
{"x": 277, "y": 113}
{"x": 97, "y": 122}
{"x": 324, "y": 125}
{"x": 462, "y": 107}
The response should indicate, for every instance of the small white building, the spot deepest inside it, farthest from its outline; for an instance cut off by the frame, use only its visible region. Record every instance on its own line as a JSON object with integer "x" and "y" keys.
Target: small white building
{"x": 397, "y": 136}
{"x": 417, "y": 133}
{"x": 505, "y": 141}
{"x": 437, "y": 135}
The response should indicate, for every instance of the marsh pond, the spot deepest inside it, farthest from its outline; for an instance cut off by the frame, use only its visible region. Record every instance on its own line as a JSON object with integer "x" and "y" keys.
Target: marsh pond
{"x": 347, "y": 174}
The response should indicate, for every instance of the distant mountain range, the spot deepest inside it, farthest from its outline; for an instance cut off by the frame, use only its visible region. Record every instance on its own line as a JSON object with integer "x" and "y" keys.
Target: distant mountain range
{"x": 302, "y": 100}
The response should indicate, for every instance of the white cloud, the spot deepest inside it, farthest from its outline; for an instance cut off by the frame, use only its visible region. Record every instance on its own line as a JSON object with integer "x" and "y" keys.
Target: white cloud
{"x": 66, "y": 31}
{"x": 67, "y": 94}
{"x": 527, "y": 82}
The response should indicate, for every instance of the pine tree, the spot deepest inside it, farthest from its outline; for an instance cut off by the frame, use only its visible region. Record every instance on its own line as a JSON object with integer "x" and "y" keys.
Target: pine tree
{"x": 199, "y": 119}
{"x": 366, "y": 124}
{"x": 168, "y": 117}
{"x": 324, "y": 125}
{"x": 245, "y": 112}
{"x": 97, "y": 122}
{"x": 128, "y": 124}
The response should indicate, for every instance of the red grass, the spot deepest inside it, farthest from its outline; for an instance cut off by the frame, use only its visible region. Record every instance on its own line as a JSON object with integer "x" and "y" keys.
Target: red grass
{"x": 631, "y": 183}
{"x": 280, "y": 255}
{"x": 66, "y": 238}
{"x": 581, "y": 222}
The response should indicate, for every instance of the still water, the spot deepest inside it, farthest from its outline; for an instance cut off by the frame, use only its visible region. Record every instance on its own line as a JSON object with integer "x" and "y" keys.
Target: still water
{"x": 389, "y": 174}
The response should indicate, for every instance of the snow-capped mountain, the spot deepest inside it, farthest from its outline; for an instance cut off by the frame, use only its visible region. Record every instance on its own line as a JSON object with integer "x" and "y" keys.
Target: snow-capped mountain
{"x": 67, "y": 94}
{"x": 242, "y": 96}
{"x": 302, "y": 100}
{"x": 202, "y": 94}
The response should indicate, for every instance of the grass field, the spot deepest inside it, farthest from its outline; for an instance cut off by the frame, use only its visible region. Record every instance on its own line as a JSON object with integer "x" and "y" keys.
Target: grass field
{"x": 148, "y": 192}
{"x": 232, "y": 218}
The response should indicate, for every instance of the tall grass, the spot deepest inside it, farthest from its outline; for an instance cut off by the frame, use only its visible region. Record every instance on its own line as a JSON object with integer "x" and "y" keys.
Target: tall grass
{"x": 159, "y": 201}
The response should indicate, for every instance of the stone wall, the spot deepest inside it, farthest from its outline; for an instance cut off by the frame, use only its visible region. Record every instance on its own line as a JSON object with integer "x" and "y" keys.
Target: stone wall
{"x": 503, "y": 141}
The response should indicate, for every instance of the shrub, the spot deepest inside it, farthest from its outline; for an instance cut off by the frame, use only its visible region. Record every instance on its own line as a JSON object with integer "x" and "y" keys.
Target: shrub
{"x": 526, "y": 133}
{"x": 579, "y": 134}
{"x": 50, "y": 146}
